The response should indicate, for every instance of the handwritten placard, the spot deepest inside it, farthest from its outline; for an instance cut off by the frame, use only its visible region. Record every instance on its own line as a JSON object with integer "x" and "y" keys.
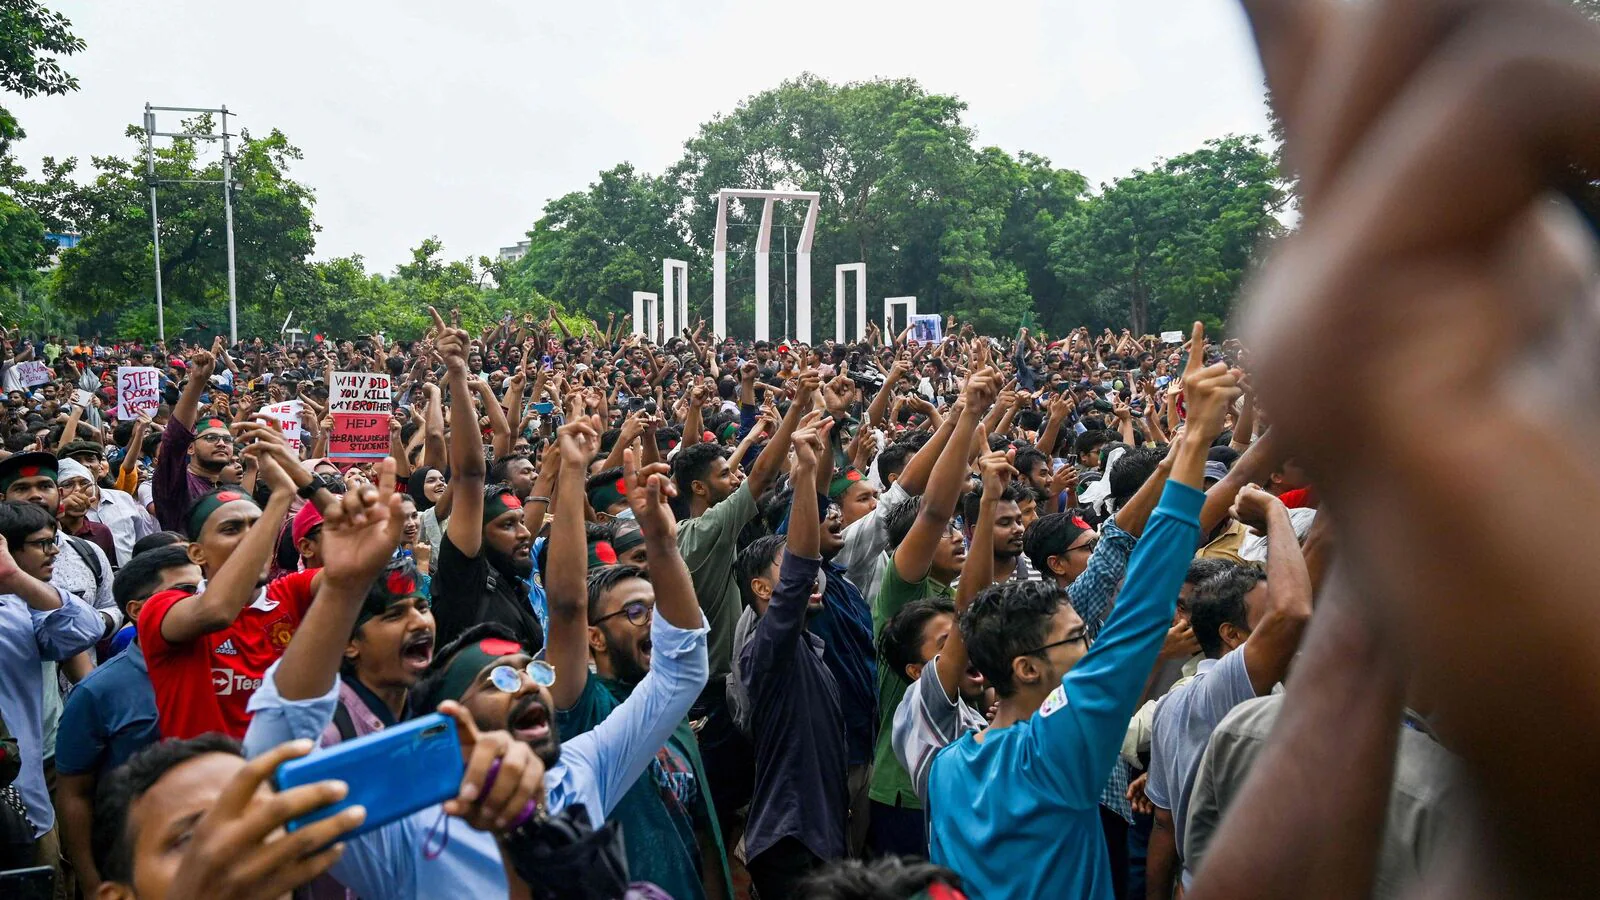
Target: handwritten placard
{"x": 359, "y": 436}
{"x": 287, "y": 415}
{"x": 1172, "y": 337}
{"x": 33, "y": 373}
{"x": 138, "y": 391}
{"x": 360, "y": 392}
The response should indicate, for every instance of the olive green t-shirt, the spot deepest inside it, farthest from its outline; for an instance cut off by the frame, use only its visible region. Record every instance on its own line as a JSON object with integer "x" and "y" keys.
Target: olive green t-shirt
{"x": 709, "y": 544}
{"x": 890, "y": 782}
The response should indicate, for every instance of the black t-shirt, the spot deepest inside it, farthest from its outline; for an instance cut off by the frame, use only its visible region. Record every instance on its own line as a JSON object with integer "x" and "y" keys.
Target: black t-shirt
{"x": 468, "y": 590}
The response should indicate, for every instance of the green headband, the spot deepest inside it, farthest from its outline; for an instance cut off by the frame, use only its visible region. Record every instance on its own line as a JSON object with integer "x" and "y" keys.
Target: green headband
{"x": 26, "y": 472}
{"x": 627, "y": 538}
{"x": 842, "y": 483}
{"x": 499, "y": 505}
{"x": 210, "y": 503}
{"x": 602, "y": 496}
{"x": 463, "y": 668}
{"x": 209, "y": 425}
{"x": 398, "y": 585}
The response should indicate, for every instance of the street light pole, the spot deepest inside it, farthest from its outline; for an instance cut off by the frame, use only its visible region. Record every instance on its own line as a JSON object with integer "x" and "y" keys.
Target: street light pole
{"x": 150, "y": 133}
{"x": 227, "y": 209}
{"x": 155, "y": 222}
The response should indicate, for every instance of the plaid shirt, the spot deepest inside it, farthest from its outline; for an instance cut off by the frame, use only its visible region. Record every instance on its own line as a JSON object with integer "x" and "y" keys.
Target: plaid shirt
{"x": 1091, "y": 595}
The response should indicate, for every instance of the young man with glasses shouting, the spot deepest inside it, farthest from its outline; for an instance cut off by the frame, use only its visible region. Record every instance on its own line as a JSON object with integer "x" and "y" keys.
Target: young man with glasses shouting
{"x": 492, "y": 685}
{"x": 1015, "y": 807}
{"x": 673, "y": 838}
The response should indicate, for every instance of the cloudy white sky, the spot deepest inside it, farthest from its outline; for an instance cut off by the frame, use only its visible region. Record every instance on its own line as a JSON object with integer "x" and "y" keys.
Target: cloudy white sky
{"x": 461, "y": 119}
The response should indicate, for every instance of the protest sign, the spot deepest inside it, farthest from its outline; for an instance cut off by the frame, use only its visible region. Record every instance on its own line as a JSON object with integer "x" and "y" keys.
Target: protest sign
{"x": 359, "y": 436}
{"x": 138, "y": 391}
{"x": 287, "y": 415}
{"x": 83, "y": 398}
{"x": 1172, "y": 337}
{"x": 33, "y": 373}
{"x": 927, "y": 329}
{"x": 360, "y": 392}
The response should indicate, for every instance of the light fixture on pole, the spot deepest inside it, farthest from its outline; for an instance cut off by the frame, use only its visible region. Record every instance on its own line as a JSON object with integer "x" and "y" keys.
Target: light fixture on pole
{"x": 150, "y": 134}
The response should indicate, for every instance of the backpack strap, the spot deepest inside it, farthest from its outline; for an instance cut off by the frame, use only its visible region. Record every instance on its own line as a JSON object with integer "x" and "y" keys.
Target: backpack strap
{"x": 91, "y": 559}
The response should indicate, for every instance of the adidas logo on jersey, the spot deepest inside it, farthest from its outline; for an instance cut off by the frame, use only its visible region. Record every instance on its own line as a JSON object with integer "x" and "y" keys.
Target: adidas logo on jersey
{"x": 227, "y": 648}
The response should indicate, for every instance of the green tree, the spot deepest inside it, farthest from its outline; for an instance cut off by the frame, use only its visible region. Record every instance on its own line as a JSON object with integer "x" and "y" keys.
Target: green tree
{"x": 1169, "y": 245}
{"x": 29, "y": 33}
{"x": 110, "y": 272}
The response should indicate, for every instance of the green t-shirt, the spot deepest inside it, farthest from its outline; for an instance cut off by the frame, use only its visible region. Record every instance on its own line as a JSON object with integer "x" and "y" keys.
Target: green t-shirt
{"x": 709, "y": 544}
{"x": 667, "y": 814}
{"x": 890, "y": 782}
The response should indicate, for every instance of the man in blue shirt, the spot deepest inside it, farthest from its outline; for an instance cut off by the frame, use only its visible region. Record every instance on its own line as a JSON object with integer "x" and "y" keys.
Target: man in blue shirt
{"x": 111, "y": 714}
{"x": 1014, "y": 808}
{"x": 37, "y": 622}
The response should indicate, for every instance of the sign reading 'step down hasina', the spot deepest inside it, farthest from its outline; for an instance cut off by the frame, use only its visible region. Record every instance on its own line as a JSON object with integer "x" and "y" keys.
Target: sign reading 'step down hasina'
{"x": 360, "y": 392}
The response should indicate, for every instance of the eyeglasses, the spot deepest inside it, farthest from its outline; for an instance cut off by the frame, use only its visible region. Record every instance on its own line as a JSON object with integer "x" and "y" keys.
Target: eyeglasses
{"x": 1080, "y": 636}
{"x": 508, "y": 679}
{"x": 44, "y": 544}
{"x": 1088, "y": 545}
{"x": 215, "y": 438}
{"x": 637, "y": 611}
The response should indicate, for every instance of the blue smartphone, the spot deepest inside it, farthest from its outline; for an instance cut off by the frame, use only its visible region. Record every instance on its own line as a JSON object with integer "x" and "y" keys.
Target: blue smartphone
{"x": 393, "y": 773}
{"x": 543, "y": 409}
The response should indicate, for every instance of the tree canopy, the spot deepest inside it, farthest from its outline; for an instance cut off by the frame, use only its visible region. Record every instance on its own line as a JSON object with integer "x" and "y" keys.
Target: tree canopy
{"x": 976, "y": 232}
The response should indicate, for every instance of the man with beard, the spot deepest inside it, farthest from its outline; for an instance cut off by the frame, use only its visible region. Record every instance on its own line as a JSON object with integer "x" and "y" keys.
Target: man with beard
{"x": 207, "y": 650}
{"x": 484, "y": 556}
{"x": 799, "y": 808}
{"x": 193, "y": 455}
{"x": 1009, "y": 564}
{"x": 672, "y": 835}
{"x": 493, "y": 683}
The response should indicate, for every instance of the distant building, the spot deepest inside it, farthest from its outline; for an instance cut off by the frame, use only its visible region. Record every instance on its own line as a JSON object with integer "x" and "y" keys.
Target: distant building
{"x": 61, "y": 242}
{"x": 514, "y": 252}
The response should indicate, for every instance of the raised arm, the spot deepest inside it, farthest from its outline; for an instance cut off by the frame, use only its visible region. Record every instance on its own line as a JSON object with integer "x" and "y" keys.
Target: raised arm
{"x": 919, "y": 468}
{"x": 914, "y": 557}
{"x": 359, "y": 535}
{"x": 1273, "y": 642}
{"x": 1252, "y": 467}
{"x": 499, "y": 427}
{"x": 768, "y": 463}
{"x": 880, "y": 401}
{"x": 234, "y": 585}
{"x": 201, "y": 365}
{"x": 434, "y": 453}
{"x": 467, "y": 469}
{"x": 977, "y": 572}
{"x": 566, "y": 569}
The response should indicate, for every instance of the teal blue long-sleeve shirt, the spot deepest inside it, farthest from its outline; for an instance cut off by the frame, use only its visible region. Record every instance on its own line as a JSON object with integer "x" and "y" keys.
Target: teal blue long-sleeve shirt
{"x": 1017, "y": 813}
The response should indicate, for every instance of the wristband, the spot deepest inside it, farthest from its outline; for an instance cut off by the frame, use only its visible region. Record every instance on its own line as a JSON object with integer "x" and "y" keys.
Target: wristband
{"x": 544, "y": 500}
{"x": 311, "y": 488}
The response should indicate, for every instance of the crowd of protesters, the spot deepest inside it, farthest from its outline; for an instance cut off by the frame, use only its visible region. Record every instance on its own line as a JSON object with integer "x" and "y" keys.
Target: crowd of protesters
{"x": 991, "y": 616}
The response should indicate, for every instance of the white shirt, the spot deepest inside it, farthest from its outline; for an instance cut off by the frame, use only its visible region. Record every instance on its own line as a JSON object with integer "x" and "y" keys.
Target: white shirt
{"x": 127, "y": 518}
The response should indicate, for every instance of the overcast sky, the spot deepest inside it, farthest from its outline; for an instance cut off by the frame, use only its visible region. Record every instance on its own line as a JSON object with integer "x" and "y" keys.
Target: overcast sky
{"x": 462, "y": 119}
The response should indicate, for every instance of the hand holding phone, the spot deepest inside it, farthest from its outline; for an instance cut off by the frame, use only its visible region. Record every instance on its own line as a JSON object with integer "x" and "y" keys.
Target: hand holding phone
{"x": 391, "y": 774}
{"x": 239, "y": 849}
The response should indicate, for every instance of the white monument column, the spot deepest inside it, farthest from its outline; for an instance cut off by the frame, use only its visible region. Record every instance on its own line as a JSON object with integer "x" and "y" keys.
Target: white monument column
{"x": 839, "y": 271}
{"x": 763, "y": 261}
{"x": 802, "y": 277}
{"x": 719, "y": 271}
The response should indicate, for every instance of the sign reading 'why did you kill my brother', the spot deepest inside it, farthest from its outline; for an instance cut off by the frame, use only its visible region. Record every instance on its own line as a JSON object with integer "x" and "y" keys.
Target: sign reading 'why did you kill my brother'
{"x": 360, "y": 392}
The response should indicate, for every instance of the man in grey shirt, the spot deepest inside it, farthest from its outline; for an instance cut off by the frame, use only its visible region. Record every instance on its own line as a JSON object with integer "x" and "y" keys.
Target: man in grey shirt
{"x": 1248, "y": 622}
{"x": 1423, "y": 808}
